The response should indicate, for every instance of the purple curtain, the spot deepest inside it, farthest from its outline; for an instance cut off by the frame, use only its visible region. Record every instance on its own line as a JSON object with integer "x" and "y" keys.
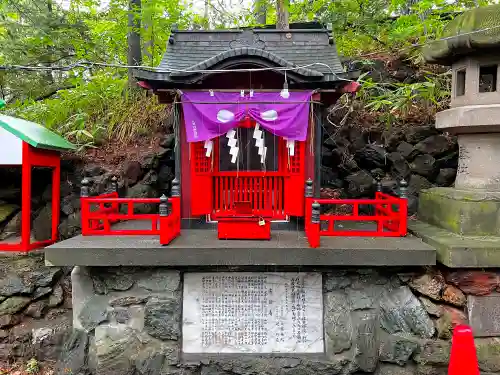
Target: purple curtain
{"x": 207, "y": 116}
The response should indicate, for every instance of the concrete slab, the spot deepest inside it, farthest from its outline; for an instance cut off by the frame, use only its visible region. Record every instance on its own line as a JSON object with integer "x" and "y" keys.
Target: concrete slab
{"x": 454, "y": 250}
{"x": 198, "y": 247}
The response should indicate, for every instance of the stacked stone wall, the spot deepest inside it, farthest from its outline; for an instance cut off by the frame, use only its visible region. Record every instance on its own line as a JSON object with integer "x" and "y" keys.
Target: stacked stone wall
{"x": 390, "y": 322}
{"x": 35, "y": 309}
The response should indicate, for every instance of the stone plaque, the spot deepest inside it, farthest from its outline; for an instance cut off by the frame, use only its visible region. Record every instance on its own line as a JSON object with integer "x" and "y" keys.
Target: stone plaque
{"x": 252, "y": 312}
{"x": 484, "y": 315}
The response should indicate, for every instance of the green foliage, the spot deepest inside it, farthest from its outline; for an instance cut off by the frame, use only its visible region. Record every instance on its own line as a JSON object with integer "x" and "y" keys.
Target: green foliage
{"x": 86, "y": 106}
{"x": 92, "y": 106}
{"x": 32, "y": 367}
{"x": 399, "y": 103}
{"x": 93, "y": 111}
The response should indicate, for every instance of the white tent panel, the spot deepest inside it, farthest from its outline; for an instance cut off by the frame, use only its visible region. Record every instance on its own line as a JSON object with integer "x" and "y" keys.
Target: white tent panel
{"x": 11, "y": 149}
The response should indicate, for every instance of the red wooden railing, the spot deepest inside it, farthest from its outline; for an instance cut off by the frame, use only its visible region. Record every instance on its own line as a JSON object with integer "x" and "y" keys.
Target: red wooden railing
{"x": 263, "y": 192}
{"x": 101, "y": 212}
{"x": 390, "y": 218}
{"x": 170, "y": 226}
{"x": 99, "y": 221}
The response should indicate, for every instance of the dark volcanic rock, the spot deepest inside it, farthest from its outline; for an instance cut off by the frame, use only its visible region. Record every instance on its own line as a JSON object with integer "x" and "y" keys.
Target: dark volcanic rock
{"x": 168, "y": 141}
{"x": 436, "y": 145}
{"x": 424, "y": 165}
{"x": 399, "y": 165}
{"x": 93, "y": 171}
{"x": 360, "y": 184}
{"x": 330, "y": 178}
{"x": 419, "y": 133}
{"x": 407, "y": 150}
{"x": 446, "y": 176}
{"x": 42, "y": 225}
{"x": 448, "y": 161}
{"x": 151, "y": 178}
{"x": 392, "y": 139}
{"x": 356, "y": 139}
{"x": 70, "y": 204}
{"x": 13, "y": 226}
{"x": 165, "y": 174}
{"x": 132, "y": 172}
{"x": 70, "y": 226}
{"x": 141, "y": 190}
{"x": 418, "y": 183}
{"x": 163, "y": 318}
{"x": 371, "y": 156}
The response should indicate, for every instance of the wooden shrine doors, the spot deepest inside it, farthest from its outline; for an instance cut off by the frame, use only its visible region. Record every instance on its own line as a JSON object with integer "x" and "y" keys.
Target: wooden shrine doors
{"x": 271, "y": 188}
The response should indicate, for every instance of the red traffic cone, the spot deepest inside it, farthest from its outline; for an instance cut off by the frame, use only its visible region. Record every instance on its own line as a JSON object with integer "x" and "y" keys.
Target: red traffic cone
{"x": 463, "y": 358}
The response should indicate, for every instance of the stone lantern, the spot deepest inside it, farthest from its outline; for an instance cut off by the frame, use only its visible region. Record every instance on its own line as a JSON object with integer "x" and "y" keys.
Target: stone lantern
{"x": 464, "y": 222}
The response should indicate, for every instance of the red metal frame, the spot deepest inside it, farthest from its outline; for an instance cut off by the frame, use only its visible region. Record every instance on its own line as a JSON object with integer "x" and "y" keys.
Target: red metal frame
{"x": 390, "y": 217}
{"x": 33, "y": 157}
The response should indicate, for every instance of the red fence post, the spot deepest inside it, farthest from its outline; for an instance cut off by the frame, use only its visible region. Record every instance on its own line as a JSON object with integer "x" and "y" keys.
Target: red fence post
{"x": 403, "y": 207}
{"x": 170, "y": 218}
{"x": 309, "y": 201}
{"x": 314, "y": 226}
{"x": 176, "y": 205}
{"x": 84, "y": 194}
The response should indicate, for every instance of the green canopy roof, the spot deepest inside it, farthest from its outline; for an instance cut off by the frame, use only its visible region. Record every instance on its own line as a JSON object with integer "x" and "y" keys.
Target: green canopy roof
{"x": 34, "y": 134}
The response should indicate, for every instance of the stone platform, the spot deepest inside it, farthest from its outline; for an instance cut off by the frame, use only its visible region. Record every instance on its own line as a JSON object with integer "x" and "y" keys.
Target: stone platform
{"x": 200, "y": 247}
{"x": 455, "y": 250}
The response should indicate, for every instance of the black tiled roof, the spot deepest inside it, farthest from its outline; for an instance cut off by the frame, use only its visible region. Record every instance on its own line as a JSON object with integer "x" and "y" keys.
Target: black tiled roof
{"x": 203, "y": 50}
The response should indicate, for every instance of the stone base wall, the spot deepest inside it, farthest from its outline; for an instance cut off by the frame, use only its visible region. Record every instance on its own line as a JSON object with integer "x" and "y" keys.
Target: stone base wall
{"x": 35, "y": 310}
{"x": 387, "y": 322}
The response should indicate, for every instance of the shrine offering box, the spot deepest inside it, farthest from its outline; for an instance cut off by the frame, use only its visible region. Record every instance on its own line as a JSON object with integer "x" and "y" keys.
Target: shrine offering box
{"x": 251, "y": 228}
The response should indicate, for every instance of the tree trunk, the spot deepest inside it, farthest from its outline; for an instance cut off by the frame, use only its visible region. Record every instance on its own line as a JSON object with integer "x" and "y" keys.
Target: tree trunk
{"x": 282, "y": 22}
{"x": 148, "y": 43}
{"x": 206, "y": 15}
{"x": 134, "y": 37}
{"x": 260, "y": 11}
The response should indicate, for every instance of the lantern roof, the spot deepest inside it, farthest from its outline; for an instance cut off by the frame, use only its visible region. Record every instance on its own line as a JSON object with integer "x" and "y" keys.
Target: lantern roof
{"x": 474, "y": 32}
{"x": 34, "y": 134}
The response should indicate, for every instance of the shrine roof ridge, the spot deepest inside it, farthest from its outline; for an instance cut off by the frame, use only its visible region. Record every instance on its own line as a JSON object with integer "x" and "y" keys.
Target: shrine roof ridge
{"x": 193, "y": 50}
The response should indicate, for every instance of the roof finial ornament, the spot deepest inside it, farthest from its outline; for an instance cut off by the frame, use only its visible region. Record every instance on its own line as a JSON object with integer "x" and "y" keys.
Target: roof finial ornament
{"x": 173, "y": 30}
